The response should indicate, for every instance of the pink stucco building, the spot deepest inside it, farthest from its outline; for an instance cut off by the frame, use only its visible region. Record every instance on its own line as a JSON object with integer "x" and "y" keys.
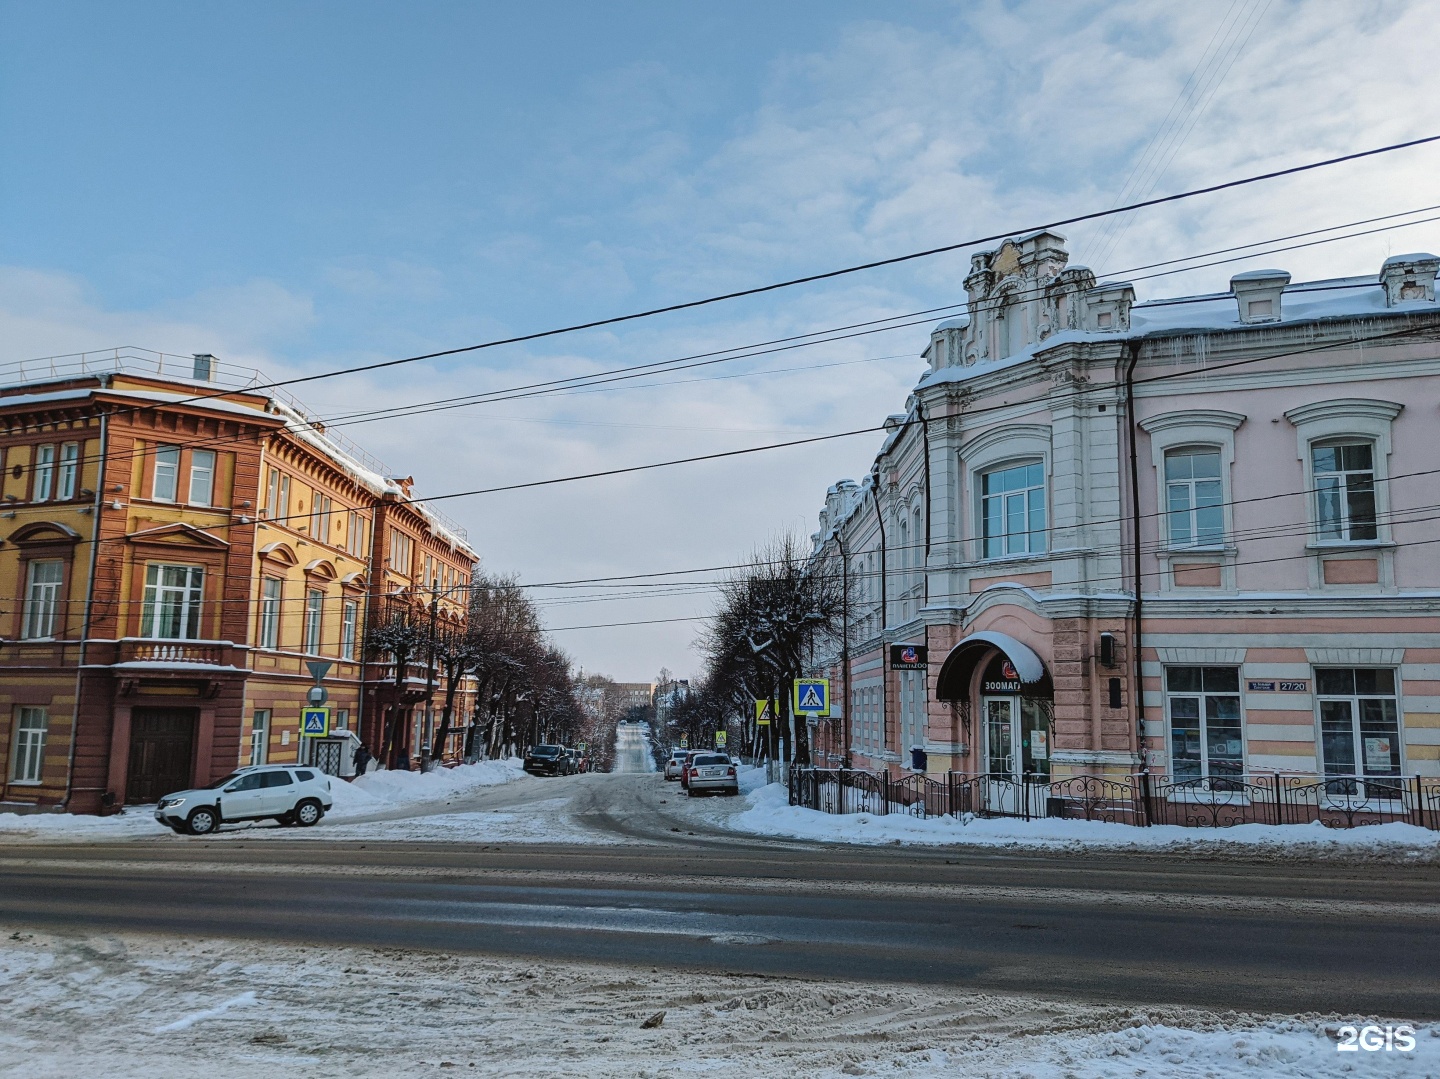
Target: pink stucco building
{"x": 1193, "y": 536}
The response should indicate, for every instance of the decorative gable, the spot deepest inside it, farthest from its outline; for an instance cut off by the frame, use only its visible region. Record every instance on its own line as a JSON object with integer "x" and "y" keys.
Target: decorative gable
{"x": 178, "y": 534}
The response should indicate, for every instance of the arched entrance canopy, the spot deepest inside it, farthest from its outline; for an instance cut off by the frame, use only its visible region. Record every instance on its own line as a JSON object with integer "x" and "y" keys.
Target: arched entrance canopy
{"x": 953, "y": 682}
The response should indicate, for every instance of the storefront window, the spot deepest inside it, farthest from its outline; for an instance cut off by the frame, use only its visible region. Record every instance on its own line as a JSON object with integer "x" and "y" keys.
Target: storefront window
{"x": 1206, "y": 737}
{"x": 1359, "y": 730}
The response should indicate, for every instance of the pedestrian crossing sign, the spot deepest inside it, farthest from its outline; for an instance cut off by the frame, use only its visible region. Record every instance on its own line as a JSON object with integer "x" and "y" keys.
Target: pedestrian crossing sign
{"x": 812, "y": 696}
{"x": 720, "y": 739}
{"x": 765, "y": 712}
{"x": 315, "y": 722}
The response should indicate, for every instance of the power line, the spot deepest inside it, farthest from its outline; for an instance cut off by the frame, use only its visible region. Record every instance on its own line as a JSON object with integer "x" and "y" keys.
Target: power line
{"x": 842, "y": 272}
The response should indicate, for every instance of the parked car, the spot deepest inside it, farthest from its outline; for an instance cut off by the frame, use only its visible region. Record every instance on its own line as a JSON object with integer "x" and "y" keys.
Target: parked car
{"x": 549, "y": 761}
{"x": 690, "y": 755}
{"x": 675, "y": 764}
{"x": 284, "y": 793}
{"x": 711, "y": 772}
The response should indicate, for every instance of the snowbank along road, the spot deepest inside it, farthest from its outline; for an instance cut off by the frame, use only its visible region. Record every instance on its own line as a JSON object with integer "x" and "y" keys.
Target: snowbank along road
{"x": 623, "y": 869}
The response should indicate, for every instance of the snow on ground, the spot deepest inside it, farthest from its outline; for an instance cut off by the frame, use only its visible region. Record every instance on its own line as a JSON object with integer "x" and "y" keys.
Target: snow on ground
{"x": 375, "y": 793}
{"x": 536, "y": 822}
{"x": 382, "y": 790}
{"x": 134, "y": 1005}
{"x": 767, "y": 813}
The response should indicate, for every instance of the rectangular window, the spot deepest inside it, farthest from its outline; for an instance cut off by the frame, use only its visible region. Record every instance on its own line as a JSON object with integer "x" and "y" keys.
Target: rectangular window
{"x": 167, "y": 473}
{"x": 342, "y": 719}
{"x": 42, "y": 599}
{"x": 172, "y": 602}
{"x": 1193, "y": 501}
{"x": 202, "y": 477}
{"x": 349, "y": 617}
{"x": 314, "y": 604}
{"x": 272, "y": 494}
{"x": 44, "y": 472}
{"x": 402, "y": 550}
{"x": 260, "y": 736}
{"x": 1203, "y": 705}
{"x": 270, "y": 592}
{"x": 1344, "y": 491}
{"x": 31, "y": 726}
{"x": 284, "y": 498}
{"x": 1359, "y": 730}
{"x": 69, "y": 470}
{"x": 1012, "y": 510}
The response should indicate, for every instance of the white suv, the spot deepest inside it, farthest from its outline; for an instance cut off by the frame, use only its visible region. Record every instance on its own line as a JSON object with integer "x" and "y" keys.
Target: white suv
{"x": 287, "y": 794}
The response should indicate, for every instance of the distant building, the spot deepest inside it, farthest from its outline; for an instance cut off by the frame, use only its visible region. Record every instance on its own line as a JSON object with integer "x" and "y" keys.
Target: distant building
{"x": 1191, "y": 535}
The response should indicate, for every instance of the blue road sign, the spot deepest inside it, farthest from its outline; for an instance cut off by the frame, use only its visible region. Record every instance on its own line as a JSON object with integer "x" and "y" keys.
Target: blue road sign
{"x": 812, "y": 696}
{"x": 315, "y": 722}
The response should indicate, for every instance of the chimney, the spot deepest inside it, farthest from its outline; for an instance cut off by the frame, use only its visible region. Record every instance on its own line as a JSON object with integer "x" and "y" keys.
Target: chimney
{"x": 204, "y": 367}
{"x": 1107, "y": 308}
{"x": 1409, "y": 277}
{"x": 1258, "y": 294}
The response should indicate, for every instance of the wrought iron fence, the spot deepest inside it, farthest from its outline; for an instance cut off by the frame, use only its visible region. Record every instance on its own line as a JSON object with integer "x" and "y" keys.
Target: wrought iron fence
{"x": 1140, "y": 800}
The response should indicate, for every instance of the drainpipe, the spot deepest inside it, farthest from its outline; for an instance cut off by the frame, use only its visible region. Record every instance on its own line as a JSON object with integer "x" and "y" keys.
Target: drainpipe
{"x": 844, "y": 648}
{"x": 89, "y": 605}
{"x": 925, "y": 436}
{"x": 884, "y": 615}
{"x": 1134, "y": 347}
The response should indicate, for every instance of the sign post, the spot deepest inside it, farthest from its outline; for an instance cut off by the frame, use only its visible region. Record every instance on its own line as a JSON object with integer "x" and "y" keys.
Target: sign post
{"x": 811, "y": 697}
{"x": 721, "y": 737}
{"x": 315, "y": 716}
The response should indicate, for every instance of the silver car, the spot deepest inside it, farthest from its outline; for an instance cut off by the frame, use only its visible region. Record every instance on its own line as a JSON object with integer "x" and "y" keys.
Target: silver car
{"x": 287, "y": 794}
{"x": 675, "y": 763}
{"x": 712, "y": 772}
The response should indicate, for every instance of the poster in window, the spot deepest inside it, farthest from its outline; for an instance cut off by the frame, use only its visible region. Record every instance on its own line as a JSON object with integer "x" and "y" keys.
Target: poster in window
{"x": 1040, "y": 745}
{"x": 1377, "y": 754}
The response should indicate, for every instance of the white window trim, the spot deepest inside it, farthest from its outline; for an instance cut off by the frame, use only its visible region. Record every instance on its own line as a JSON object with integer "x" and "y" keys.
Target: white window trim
{"x": 55, "y": 589}
{"x": 195, "y": 469}
{"x": 1002, "y": 447}
{"x": 318, "y": 622}
{"x": 16, "y": 779}
{"x": 1166, "y": 694}
{"x": 67, "y": 471}
{"x": 149, "y": 631}
{"x": 1203, "y": 428}
{"x": 349, "y": 628}
{"x": 43, "y": 489}
{"x": 1347, "y": 418}
{"x": 266, "y": 638}
{"x": 155, "y": 474}
{"x": 1400, "y": 734}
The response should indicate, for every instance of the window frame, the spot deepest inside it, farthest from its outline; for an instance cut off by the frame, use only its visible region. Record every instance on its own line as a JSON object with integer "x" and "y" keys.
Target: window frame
{"x": 1026, "y": 493}
{"x": 314, "y": 621}
{"x": 55, "y": 597}
{"x": 208, "y": 471}
{"x": 167, "y": 456}
{"x": 1360, "y": 777}
{"x": 268, "y": 630}
{"x": 1343, "y": 493}
{"x": 1206, "y": 776}
{"x": 260, "y": 736}
{"x": 67, "y": 473}
{"x": 349, "y": 626}
{"x": 191, "y": 605}
{"x": 1193, "y": 507}
{"x": 1346, "y": 419}
{"x": 27, "y": 764}
{"x": 43, "y": 469}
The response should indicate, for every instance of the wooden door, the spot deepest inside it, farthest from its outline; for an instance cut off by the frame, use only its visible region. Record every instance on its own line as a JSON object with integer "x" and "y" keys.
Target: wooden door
{"x": 162, "y": 748}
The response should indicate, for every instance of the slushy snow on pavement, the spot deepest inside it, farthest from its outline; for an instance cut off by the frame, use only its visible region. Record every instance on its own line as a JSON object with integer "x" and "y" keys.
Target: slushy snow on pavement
{"x": 132, "y": 1005}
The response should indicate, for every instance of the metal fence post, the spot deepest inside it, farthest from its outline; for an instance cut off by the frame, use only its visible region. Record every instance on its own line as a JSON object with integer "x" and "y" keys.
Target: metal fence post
{"x": 1279, "y": 805}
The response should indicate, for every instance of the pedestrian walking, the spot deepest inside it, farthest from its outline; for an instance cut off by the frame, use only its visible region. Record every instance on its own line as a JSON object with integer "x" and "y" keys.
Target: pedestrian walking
{"x": 362, "y": 759}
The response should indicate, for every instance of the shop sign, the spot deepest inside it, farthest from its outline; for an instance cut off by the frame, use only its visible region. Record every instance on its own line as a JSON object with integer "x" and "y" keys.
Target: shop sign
{"x": 909, "y": 657}
{"x": 1002, "y": 677}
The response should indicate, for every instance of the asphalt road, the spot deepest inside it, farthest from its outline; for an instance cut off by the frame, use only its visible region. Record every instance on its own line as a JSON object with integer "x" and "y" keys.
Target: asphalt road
{"x": 672, "y": 888}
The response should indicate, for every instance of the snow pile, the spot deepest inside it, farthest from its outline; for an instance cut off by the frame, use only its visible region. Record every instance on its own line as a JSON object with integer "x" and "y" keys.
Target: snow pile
{"x": 769, "y": 814}
{"x": 378, "y": 791}
{"x": 135, "y": 822}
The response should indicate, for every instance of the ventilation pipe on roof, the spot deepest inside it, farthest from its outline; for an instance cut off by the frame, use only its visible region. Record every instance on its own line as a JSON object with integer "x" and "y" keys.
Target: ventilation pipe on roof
{"x": 204, "y": 367}
{"x": 1409, "y": 277}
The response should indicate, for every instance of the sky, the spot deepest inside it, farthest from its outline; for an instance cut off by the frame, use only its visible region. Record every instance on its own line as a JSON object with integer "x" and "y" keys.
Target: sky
{"x": 302, "y": 186}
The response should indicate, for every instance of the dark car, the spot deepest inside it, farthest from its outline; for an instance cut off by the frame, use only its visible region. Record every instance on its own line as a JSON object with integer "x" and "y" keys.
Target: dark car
{"x": 690, "y": 755}
{"x": 548, "y": 761}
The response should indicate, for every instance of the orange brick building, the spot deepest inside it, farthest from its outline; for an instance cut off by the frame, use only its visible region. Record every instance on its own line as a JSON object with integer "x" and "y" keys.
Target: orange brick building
{"x": 179, "y": 549}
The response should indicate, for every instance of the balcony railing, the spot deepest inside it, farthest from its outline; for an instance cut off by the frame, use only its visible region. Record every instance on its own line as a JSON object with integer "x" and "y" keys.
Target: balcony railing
{"x": 149, "y": 650}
